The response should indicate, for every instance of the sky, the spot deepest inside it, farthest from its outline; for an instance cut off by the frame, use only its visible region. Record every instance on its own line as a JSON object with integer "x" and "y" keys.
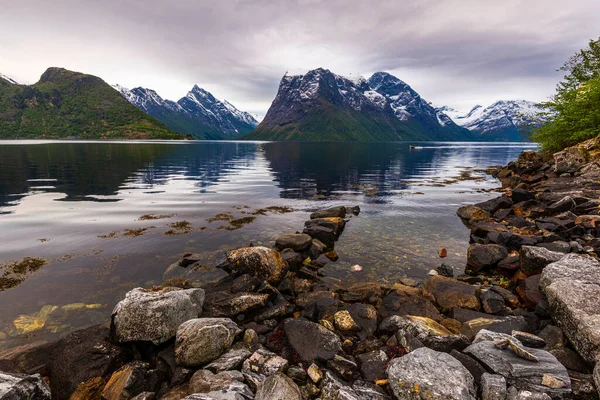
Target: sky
{"x": 453, "y": 52}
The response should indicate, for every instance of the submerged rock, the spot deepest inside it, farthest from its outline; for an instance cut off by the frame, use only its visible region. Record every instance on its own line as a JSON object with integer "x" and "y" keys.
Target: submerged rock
{"x": 203, "y": 340}
{"x": 259, "y": 261}
{"x": 21, "y": 386}
{"x": 154, "y": 316}
{"x": 428, "y": 374}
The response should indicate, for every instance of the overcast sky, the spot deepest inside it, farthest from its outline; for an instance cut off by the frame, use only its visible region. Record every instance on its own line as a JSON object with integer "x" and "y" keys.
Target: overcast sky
{"x": 458, "y": 53}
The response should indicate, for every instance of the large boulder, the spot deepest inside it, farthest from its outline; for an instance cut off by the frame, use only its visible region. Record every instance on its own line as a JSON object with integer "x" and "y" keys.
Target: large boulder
{"x": 294, "y": 241}
{"x": 278, "y": 387}
{"x": 428, "y": 374}
{"x": 569, "y": 160}
{"x": 481, "y": 256}
{"x": 333, "y": 212}
{"x": 311, "y": 341}
{"x": 529, "y": 161}
{"x": 521, "y": 373}
{"x": 259, "y": 261}
{"x": 470, "y": 211}
{"x": 572, "y": 267}
{"x": 131, "y": 380}
{"x": 21, "y": 386}
{"x": 203, "y": 340}
{"x": 154, "y": 315}
{"x": 495, "y": 204}
{"x": 534, "y": 259}
{"x": 449, "y": 293}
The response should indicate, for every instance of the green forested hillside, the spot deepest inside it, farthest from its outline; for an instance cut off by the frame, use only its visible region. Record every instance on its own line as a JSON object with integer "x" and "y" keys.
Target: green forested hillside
{"x": 66, "y": 104}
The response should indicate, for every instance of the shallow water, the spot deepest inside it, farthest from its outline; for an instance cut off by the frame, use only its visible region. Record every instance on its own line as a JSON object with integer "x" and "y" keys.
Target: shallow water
{"x": 78, "y": 205}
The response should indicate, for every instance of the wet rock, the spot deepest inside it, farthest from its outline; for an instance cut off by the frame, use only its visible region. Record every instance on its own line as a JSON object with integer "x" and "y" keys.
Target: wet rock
{"x": 373, "y": 365}
{"x": 245, "y": 283}
{"x": 203, "y": 340}
{"x": 89, "y": 390}
{"x": 322, "y": 233}
{"x": 529, "y": 291}
{"x": 259, "y": 261}
{"x": 154, "y": 315}
{"x": 235, "y": 391}
{"x": 365, "y": 315}
{"x": 534, "y": 259}
{"x": 129, "y": 381}
{"x": 311, "y": 341}
{"x": 339, "y": 212}
{"x": 344, "y": 322}
{"x": 569, "y": 160}
{"x": 81, "y": 356}
{"x": 278, "y": 387}
{"x": 264, "y": 362}
{"x": 445, "y": 270}
{"x": 503, "y": 325}
{"x": 336, "y": 224}
{"x": 492, "y": 302}
{"x": 317, "y": 249}
{"x": 519, "y": 372}
{"x": 472, "y": 365}
{"x": 481, "y": 256}
{"x": 227, "y": 304}
{"x": 450, "y": 293}
{"x": 471, "y": 212}
{"x": 509, "y": 297}
{"x": 323, "y": 300}
{"x": 293, "y": 259}
{"x": 21, "y": 386}
{"x": 425, "y": 373}
{"x": 233, "y": 359}
{"x": 295, "y": 241}
{"x": 493, "y": 387}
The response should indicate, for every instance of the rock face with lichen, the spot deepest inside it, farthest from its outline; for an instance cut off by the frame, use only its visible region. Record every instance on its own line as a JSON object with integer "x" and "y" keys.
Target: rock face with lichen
{"x": 259, "y": 261}
{"x": 154, "y": 316}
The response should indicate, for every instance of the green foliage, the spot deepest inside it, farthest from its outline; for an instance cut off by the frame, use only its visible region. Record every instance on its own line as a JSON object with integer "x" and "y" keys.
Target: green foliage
{"x": 574, "y": 110}
{"x": 65, "y": 104}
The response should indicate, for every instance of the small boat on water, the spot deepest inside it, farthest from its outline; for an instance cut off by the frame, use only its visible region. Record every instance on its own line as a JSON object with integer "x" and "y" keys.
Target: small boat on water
{"x": 412, "y": 147}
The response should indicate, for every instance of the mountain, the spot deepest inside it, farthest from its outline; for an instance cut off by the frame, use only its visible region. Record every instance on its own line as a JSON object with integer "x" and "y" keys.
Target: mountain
{"x": 323, "y": 106}
{"x": 505, "y": 120}
{"x": 198, "y": 114}
{"x": 67, "y": 104}
{"x": 6, "y": 78}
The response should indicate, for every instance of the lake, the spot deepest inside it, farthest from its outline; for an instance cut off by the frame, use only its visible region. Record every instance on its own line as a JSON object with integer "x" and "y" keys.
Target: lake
{"x": 110, "y": 216}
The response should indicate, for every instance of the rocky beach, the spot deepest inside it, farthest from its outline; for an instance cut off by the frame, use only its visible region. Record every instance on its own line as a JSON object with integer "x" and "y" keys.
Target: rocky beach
{"x": 522, "y": 322}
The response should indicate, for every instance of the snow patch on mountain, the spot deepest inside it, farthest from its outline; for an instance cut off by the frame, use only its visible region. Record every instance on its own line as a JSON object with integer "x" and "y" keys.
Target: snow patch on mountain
{"x": 6, "y": 78}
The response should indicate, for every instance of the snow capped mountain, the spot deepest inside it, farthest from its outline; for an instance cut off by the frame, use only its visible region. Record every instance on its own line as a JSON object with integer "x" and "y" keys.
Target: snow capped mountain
{"x": 198, "y": 114}
{"x": 6, "y": 78}
{"x": 502, "y": 121}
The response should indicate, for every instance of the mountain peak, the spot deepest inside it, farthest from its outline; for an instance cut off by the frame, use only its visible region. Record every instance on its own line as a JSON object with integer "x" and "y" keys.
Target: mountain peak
{"x": 8, "y": 79}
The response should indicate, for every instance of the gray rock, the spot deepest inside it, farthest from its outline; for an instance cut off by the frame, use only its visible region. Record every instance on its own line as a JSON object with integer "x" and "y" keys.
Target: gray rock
{"x": 504, "y": 325}
{"x": 529, "y": 340}
{"x": 597, "y": 376}
{"x": 296, "y": 373}
{"x": 472, "y": 365}
{"x": 445, "y": 270}
{"x": 227, "y": 304}
{"x": 559, "y": 246}
{"x": 428, "y": 374}
{"x": 204, "y": 381}
{"x": 480, "y": 256}
{"x": 330, "y": 386}
{"x": 492, "y": 302}
{"x": 573, "y": 267}
{"x": 21, "y": 386}
{"x": 373, "y": 365}
{"x": 527, "y": 395}
{"x": 234, "y": 391}
{"x": 489, "y": 336}
{"x": 203, "y": 340}
{"x": 534, "y": 259}
{"x": 569, "y": 160}
{"x": 311, "y": 341}
{"x": 294, "y": 241}
{"x": 521, "y": 373}
{"x": 493, "y": 387}
{"x": 278, "y": 387}
{"x": 154, "y": 316}
{"x": 264, "y": 362}
{"x": 571, "y": 360}
{"x": 259, "y": 261}
{"x": 553, "y": 336}
{"x": 444, "y": 343}
{"x": 330, "y": 213}
{"x": 369, "y": 391}
{"x": 233, "y": 359}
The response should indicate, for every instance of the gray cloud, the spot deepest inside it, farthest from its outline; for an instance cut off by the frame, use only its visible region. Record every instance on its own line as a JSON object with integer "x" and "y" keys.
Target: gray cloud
{"x": 452, "y": 52}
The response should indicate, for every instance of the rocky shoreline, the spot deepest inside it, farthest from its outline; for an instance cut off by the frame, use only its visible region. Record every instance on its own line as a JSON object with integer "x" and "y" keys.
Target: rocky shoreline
{"x": 522, "y": 323}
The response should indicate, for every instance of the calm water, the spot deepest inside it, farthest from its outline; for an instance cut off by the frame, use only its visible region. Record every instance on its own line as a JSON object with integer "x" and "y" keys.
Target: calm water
{"x": 72, "y": 203}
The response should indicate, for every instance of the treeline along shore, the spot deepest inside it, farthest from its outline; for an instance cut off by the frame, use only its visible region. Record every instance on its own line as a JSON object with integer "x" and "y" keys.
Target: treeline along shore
{"x": 523, "y": 322}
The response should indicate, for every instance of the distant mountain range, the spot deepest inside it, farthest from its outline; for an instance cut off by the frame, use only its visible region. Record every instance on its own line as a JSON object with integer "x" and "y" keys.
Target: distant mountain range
{"x": 505, "y": 120}
{"x": 323, "y": 106}
{"x": 67, "y": 104}
{"x": 198, "y": 114}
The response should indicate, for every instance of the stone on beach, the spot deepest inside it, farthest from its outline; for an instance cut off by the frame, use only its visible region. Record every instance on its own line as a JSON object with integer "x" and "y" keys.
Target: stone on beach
{"x": 311, "y": 341}
{"x": 294, "y": 241}
{"x": 339, "y": 212}
{"x": 154, "y": 315}
{"x": 203, "y": 340}
{"x": 450, "y": 293}
{"x": 21, "y": 386}
{"x": 259, "y": 261}
{"x": 481, "y": 256}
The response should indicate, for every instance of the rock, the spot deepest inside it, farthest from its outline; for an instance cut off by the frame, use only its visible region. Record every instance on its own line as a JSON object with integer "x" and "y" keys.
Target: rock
{"x": 311, "y": 341}
{"x": 509, "y": 297}
{"x": 529, "y": 339}
{"x": 529, "y": 290}
{"x": 278, "y": 387}
{"x": 526, "y": 395}
{"x": 129, "y": 381}
{"x": 582, "y": 386}
{"x": 297, "y": 242}
{"x": 571, "y": 360}
{"x": 344, "y": 322}
{"x": 472, "y": 365}
{"x": 572, "y": 267}
{"x": 373, "y": 365}
{"x": 534, "y": 259}
{"x": 428, "y": 374}
{"x": 235, "y": 391}
{"x": 314, "y": 373}
{"x": 203, "y": 340}
{"x": 293, "y": 259}
{"x": 264, "y": 362}
{"x": 21, "y": 386}
{"x": 336, "y": 224}
{"x": 231, "y": 360}
{"x": 493, "y": 387}
{"x": 569, "y": 160}
{"x": 365, "y": 316}
{"x": 558, "y": 246}
{"x": 597, "y": 376}
{"x": 414, "y": 325}
{"x": 519, "y": 194}
{"x": 521, "y": 373}
{"x": 553, "y": 336}
{"x": 369, "y": 391}
{"x": 401, "y": 302}
{"x": 481, "y": 256}
{"x": 492, "y": 302}
{"x": 445, "y": 270}
{"x": 317, "y": 249}
{"x": 450, "y": 293}
{"x": 489, "y": 336}
{"x": 204, "y": 381}
{"x": 259, "y": 261}
{"x": 277, "y": 308}
{"x": 463, "y": 315}
{"x": 472, "y": 212}
{"x": 90, "y": 389}
{"x": 81, "y": 356}
{"x": 528, "y": 161}
{"x": 227, "y": 304}
{"x": 250, "y": 336}
{"x": 297, "y": 374}
{"x": 154, "y": 316}
{"x": 143, "y": 396}
{"x": 444, "y": 343}
{"x": 339, "y": 212}
{"x": 321, "y": 233}
{"x": 503, "y": 325}
{"x": 565, "y": 204}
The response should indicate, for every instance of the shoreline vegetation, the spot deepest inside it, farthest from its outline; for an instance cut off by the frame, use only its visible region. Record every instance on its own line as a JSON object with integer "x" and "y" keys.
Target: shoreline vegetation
{"x": 521, "y": 323}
